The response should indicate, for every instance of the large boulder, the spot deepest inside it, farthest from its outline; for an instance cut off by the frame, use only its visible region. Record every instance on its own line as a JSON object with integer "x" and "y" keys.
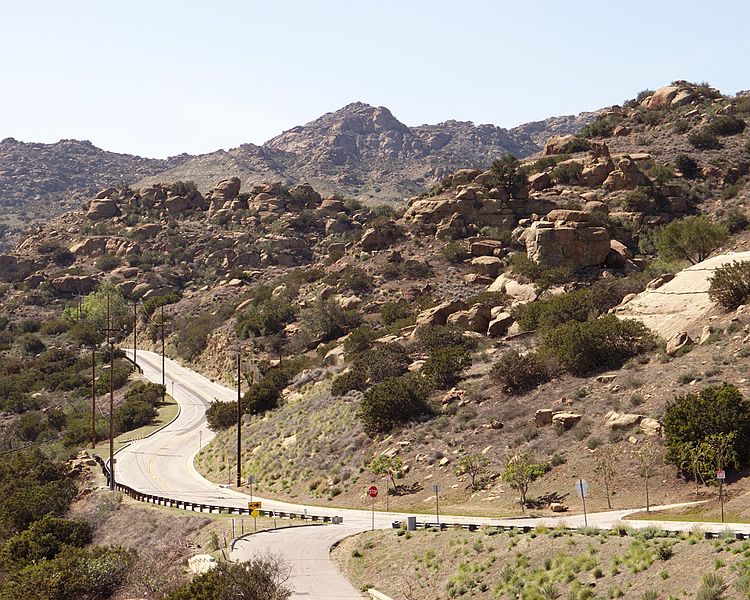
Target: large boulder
{"x": 517, "y": 291}
{"x": 559, "y": 144}
{"x": 91, "y": 247}
{"x": 73, "y": 285}
{"x": 477, "y": 318}
{"x": 500, "y": 324}
{"x": 616, "y": 420}
{"x": 378, "y": 238}
{"x": 227, "y": 189}
{"x": 8, "y": 267}
{"x": 487, "y": 265}
{"x": 438, "y": 315}
{"x": 626, "y": 176}
{"x": 575, "y": 247}
{"x": 679, "y": 341}
{"x": 305, "y": 195}
{"x": 102, "y": 209}
{"x": 662, "y": 97}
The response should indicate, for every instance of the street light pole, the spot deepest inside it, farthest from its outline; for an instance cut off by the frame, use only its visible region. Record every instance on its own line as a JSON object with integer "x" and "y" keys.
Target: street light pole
{"x": 163, "y": 372}
{"x": 239, "y": 418}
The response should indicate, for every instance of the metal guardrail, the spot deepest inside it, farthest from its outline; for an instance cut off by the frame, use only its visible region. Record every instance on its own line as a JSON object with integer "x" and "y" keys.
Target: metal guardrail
{"x": 210, "y": 508}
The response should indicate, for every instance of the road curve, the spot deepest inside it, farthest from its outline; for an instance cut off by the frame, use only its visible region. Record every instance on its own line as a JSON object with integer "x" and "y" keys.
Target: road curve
{"x": 162, "y": 464}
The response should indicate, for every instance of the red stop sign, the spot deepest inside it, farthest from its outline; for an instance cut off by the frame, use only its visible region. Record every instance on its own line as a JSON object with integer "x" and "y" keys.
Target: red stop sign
{"x": 373, "y": 491}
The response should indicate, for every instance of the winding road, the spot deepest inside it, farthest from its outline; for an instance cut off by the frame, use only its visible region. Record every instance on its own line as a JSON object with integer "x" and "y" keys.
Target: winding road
{"x": 162, "y": 464}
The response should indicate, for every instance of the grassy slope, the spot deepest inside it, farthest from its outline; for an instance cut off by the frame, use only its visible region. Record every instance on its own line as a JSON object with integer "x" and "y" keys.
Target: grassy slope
{"x": 452, "y": 564}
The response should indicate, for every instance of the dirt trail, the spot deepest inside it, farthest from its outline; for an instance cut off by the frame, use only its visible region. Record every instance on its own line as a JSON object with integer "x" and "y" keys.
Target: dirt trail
{"x": 681, "y": 304}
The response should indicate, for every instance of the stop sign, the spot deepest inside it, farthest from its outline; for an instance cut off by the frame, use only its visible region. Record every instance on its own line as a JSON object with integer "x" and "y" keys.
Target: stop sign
{"x": 373, "y": 491}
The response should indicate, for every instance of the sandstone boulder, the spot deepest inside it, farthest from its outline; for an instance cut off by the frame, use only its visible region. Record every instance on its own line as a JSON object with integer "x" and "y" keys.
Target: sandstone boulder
{"x": 615, "y": 420}
{"x": 73, "y": 285}
{"x": 565, "y": 419}
{"x": 575, "y": 247}
{"x": 679, "y": 341}
{"x": 438, "y": 315}
{"x": 559, "y": 144}
{"x": 518, "y": 292}
{"x": 381, "y": 237}
{"x": 651, "y": 426}
{"x": 487, "y": 265}
{"x": 100, "y": 210}
{"x": 485, "y": 247}
{"x": 227, "y": 189}
{"x": 91, "y": 247}
{"x": 662, "y": 97}
{"x": 626, "y": 176}
{"x": 500, "y": 324}
{"x": 476, "y": 318}
{"x": 543, "y": 417}
{"x": 305, "y": 195}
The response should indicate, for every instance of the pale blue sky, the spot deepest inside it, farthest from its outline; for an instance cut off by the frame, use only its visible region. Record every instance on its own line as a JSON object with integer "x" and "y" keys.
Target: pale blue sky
{"x": 161, "y": 77}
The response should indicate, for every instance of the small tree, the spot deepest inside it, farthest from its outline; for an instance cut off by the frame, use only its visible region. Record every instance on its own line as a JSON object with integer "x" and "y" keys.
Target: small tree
{"x": 606, "y": 459}
{"x": 474, "y": 465}
{"x": 508, "y": 175}
{"x": 520, "y": 472}
{"x": 390, "y": 466}
{"x": 649, "y": 457}
{"x": 691, "y": 458}
{"x": 730, "y": 285}
{"x": 692, "y": 239}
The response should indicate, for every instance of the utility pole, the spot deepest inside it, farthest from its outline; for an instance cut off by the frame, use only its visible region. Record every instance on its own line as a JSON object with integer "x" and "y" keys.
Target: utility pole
{"x": 135, "y": 334}
{"x": 163, "y": 372}
{"x": 93, "y": 396}
{"x": 239, "y": 418}
{"x": 111, "y": 396}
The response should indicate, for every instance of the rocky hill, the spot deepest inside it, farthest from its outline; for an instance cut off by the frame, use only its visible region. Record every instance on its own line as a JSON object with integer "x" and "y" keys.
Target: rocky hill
{"x": 359, "y": 151}
{"x": 41, "y": 180}
{"x": 486, "y": 307}
{"x": 365, "y": 152}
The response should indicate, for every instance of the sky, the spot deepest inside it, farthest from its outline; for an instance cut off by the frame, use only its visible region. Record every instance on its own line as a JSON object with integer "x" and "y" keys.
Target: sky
{"x": 157, "y": 78}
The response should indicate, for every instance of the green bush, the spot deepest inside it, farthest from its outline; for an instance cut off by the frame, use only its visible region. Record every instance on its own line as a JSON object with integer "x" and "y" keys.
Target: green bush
{"x": 221, "y": 415}
{"x": 603, "y": 343}
{"x": 704, "y": 139}
{"x": 391, "y": 312}
{"x": 569, "y": 173}
{"x": 730, "y": 285}
{"x": 55, "y": 327}
{"x": 432, "y": 337}
{"x": 80, "y": 573}
{"x": 601, "y": 127}
{"x": 543, "y": 277}
{"x": 638, "y": 200}
{"x": 63, "y": 257}
{"x": 359, "y": 340}
{"x": 455, "y": 252}
{"x": 735, "y": 220}
{"x": 32, "y": 344}
{"x": 687, "y": 166}
{"x": 43, "y": 541}
{"x": 382, "y": 361}
{"x": 394, "y": 402}
{"x": 726, "y": 125}
{"x": 152, "y": 304}
{"x": 692, "y": 238}
{"x": 346, "y": 382}
{"x": 119, "y": 378}
{"x": 108, "y": 262}
{"x": 132, "y": 415}
{"x": 193, "y": 332}
{"x": 260, "y": 579}
{"x": 145, "y": 391}
{"x": 519, "y": 373}
{"x": 325, "y": 320}
{"x": 692, "y": 418}
{"x": 183, "y": 188}
{"x": 445, "y": 365}
{"x": 266, "y": 315}
{"x": 265, "y": 394}
{"x": 31, "y": 486}
{"x": 508, "y": 175}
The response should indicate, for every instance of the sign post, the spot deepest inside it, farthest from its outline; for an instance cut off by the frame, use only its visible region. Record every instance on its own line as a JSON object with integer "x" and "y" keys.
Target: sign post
{"x": 582, "y": 489}
{"x": 437, "y": 504}
{"x": 373, "y": 493}
{"x": 251, "y": 481}
{"x": 721, "y": 476}
{"x": 254, "y": 508}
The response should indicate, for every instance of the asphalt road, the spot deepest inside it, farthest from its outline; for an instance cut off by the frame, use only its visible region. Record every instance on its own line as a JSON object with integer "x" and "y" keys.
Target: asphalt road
{"x": 162, "y": 464}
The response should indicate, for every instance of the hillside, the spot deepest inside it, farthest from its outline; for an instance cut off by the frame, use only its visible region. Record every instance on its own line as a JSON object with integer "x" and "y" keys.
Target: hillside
{"x": 474, "y": 321}
{"x": 358, "y": 151}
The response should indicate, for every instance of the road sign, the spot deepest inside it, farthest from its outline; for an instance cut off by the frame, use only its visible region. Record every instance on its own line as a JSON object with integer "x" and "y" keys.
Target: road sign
{"x": 373, "y": 491}
{"x": 436, "y": 488}
{"x": 254, "y": 513}
{"x": 721, "y": 475}
{"x": 253, "y": 505}
{"x": 582, "y": 488}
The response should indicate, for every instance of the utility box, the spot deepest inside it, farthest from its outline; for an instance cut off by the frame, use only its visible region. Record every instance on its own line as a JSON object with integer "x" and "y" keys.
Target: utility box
{"x": 411, "y": 523}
